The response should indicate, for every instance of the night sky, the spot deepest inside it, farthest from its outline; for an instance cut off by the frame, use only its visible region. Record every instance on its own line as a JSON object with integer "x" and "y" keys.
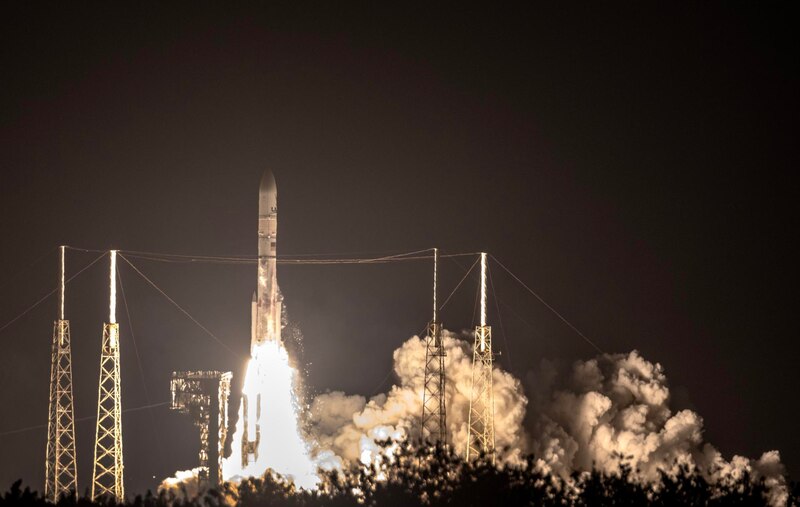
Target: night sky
{"x": 630, "y": 163}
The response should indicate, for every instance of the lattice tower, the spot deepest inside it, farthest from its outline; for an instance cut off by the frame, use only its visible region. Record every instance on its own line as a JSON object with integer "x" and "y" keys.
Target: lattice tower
{"x": 480, "y": 435}
{"x": 107, "y": 476}
{"x": 60, "y": 465}
{"x": 434, "y": 413}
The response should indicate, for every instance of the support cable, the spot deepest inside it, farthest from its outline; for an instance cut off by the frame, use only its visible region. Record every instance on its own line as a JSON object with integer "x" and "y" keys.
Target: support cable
{"x": 82, "y": 419}
{"x": 46, "y": 296}
{"x": 139, "y": 364}
{"x": 509, "y": 307}
{"x": 321, "y": 258}
{"x": 391, "y": 369}
{"x": 375, "y": 391}
{"x": 380, "y": 385}
{"x": 201, "y": 326}
{"x": 555, "y": 312}
{"x": 500, "y": 321}
{"x": 521, "y": 319}
{"x": 462, "y": 281}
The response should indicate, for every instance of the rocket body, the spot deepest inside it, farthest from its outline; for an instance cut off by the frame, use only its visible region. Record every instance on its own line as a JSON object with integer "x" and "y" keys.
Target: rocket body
{"x": 266, "y": 314}
{"x": 265, "y": 307}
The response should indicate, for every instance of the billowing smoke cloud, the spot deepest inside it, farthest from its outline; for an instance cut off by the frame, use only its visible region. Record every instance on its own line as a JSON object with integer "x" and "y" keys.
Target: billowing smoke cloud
{"x": 614, "y": 409}
{"x": 184, "y": 485}
{"x": 600, "y": 413}
{"x": 349, "y": 426}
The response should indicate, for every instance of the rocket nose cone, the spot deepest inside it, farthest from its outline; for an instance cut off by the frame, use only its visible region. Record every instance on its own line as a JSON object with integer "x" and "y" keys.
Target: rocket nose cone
{"x": 267, "y": 183}
{"x": 267, "y": 194}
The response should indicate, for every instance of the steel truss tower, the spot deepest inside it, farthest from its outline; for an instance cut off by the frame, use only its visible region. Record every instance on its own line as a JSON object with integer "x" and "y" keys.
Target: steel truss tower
{"x": 60, "y": 469}
{"x": 204, "y": 396}
{"x": 434, "y": 413}
{"x": 107, "y": 477}
{"x": 480, "y": 435}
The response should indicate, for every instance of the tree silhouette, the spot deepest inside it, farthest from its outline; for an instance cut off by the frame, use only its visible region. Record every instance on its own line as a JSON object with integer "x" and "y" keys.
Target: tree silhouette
{"x": 433, "y": 476}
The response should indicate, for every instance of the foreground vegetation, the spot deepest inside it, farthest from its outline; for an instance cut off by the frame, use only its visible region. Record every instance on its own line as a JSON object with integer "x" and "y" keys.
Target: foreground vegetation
{"x": 435, "y": 477}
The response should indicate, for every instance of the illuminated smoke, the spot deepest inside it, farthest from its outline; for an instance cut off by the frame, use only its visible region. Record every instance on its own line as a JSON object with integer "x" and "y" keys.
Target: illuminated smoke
{"x": 184, "y": 485}
{"x": 602, "y": 411}
{"x": 281, "y": 447}
{"x": 615, "y": 408}
{"x": 348, "y": 427}
{"x": 599, "y": 413}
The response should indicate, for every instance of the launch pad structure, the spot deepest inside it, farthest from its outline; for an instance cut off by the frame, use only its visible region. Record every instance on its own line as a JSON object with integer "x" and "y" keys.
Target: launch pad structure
{"x": 204, "y": 395}
{"x": 107, "y": 474}
{"x": 60, "y": 465}
{"x": 434, "y": 409}
{"x": 480, "y": 430}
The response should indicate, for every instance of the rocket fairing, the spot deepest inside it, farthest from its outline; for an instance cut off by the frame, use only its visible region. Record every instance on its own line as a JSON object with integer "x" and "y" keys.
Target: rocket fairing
{"x": 267, "y": 300}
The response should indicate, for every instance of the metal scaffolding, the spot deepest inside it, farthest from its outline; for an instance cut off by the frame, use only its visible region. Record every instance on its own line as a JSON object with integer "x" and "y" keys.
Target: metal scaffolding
{"x": 480, "y": 434}
{"x": 60, "y": 465}
{"x": 434, "y": 413}
{"x": 107, "y": 475}
{"x": 204, "y": 396}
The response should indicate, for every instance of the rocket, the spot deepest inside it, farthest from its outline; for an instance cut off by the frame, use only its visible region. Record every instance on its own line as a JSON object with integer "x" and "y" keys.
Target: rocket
{"x": 267, "y": 299}
{"x": 265, "y": 309}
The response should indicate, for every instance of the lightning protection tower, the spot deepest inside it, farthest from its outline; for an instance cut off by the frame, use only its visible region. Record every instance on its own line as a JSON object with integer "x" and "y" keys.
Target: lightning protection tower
{"x": 107, "y": 480}
{"x": 60, "y": 469}
{"x": 204, "y": 396}
{"x": 434, "y": 414}
{"x": 480, "y": 435}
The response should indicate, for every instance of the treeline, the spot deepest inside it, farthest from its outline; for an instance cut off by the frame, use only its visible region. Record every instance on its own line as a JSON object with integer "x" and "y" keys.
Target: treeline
{"x": 431, "y": 476}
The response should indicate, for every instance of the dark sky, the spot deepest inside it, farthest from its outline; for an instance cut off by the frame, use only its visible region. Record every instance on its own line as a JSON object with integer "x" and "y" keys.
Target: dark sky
{"x": 631, "y": 163}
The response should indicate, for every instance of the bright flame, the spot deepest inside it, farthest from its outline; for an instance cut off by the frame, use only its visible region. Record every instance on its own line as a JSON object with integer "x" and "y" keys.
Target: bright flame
{"x": 112, "y": 284}
{"x": 281, "y": 448}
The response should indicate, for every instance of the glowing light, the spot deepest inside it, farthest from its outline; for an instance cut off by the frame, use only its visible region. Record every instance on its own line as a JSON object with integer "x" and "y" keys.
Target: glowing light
{"x": 61, "y": 314}
{"x": 112, "y": 284}
{"x": 483, "y": 300}
{"x": 112, "y": 336}
{"x": 435, "y": 277}
{"x": 483, "y": 289}
{"x": 269, "y": 385}
{"x": 371, "y": 453}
